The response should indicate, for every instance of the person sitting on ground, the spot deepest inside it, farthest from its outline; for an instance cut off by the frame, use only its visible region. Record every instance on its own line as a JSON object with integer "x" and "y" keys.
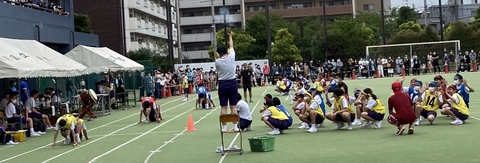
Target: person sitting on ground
{"x": 14, "y": 117}
{"x": 151, "y": 111}
{"x": 31, "y": 107}
{"x": 274, "y": 118}
{"x": 244, "y": 113}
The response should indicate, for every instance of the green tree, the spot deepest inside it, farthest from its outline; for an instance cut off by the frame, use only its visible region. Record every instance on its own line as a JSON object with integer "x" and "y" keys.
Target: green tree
{"x": 310, "y": 29}
{"x": 411, "y": 25}
{"x": 348, "y": 37}
{"x": 82, "y": 23}
{"x": 428, "y": 35}
{"x": 406, "y": 14}
{"x": 157, "y": 56}
{"x": 404, "y": 36}
{"x": 283, "y": 49}
{"x": 460, "y": 31}
{"x": 241, "y": 43}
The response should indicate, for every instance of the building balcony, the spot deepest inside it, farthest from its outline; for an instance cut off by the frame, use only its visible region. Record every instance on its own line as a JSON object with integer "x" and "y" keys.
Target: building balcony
{"x": 198, "y": 37}
{"x": 199, "y": 20}
{"x": 40, "y": 17}
{"x": 201, "y": 54}
{"x": 305, "y": 12}
{"x": 206, "y": 3}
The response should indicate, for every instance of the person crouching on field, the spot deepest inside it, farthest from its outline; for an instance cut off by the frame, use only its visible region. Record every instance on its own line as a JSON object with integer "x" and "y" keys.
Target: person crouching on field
{"x": 68, "y": 125}
{"x": 151, "y": 111}
{"x": 82, "y": 131}
{"x": 342, "y": 111}
{"x": 373, "y": 109}
{"x": 457, "y": 107}
{"x": 279, "y": 105}
{"x": 274, "y": 118}
{"x": 244, "y": 113}
{"x": 400, "y": 109}
{"x": 312, "y": 113}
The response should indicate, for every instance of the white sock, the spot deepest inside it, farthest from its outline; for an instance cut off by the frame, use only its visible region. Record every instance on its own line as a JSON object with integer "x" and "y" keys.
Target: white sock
{"x": 224, "y": 127}
{"x": 313, "y": 125}
{"x": 206, "y": 106}
{"x": 31, "y": 130}
{"x": 235, "y": 126}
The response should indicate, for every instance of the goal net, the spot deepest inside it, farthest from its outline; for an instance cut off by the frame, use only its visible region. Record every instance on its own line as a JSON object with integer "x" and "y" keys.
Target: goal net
{"x": 422, "y": 50}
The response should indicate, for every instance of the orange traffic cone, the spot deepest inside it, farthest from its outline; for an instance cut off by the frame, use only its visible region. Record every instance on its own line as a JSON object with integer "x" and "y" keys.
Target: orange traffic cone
{"x": 180, "y": 90}
{"x": 474, "y": 66}
{"x": 378, "y": 74}
{"x": 263, "y": 82}
{"x": 190, "y": 124}
{"x": 446, "y": 69}
{"x": 403, "y": 72}
{"x": 353, "y": 75}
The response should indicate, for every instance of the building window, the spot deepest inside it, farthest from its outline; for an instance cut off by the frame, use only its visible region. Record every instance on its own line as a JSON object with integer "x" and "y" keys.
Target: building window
{"x": 345, "y": 2}
{"x": 131, "y": 13}
{"x": 139, "y": 22}
{"x": 153, "y": 6}
{"x": 164, "y": 11}
{"x": 331, "y": 3}
{"x": 159, "y": 29}
{"x": 145, "y": 3}
{"x": 158, "y": 8}
{"x": 153, "y": 27}
{"x": 297, "y": 5}
{"x": 368, "y": 7}
{"x": 164, "y": 30}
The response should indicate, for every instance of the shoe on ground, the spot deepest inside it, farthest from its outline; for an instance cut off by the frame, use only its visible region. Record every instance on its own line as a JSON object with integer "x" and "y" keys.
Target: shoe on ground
{"x": 41, "y": 133}
{"x": 11, "y": 143}
{"x": 340, "y": 125}
{"x": 219, "y": 149}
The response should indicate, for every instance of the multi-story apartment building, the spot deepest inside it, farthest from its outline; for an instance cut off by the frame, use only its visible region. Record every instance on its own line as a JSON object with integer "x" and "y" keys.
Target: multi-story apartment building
{"x": 131, "y": 24}
{"x": 196, "y": 19}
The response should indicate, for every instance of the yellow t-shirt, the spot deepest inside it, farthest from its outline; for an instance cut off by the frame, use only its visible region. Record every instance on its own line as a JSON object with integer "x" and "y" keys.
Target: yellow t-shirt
{"x": 277, "y": 113}
{"x": 71, "y": 121}
{"x": 185, "y": 82}
{"x": 379, "y": 108}
{"x": 430, "y": 103}
{"x": 318, "y": 109}
{"x": 319, "y": 87}
{"x": 461, "y": 106}
{"x": 281, "y": 85}
{"x": 337, "y": 105}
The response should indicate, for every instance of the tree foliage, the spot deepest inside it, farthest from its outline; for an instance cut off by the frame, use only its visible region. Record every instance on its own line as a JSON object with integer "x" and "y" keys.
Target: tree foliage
{"x": 283, "y": 49}
{"x": 411, "y": 25}
{"x": 406, "y": 14}
{"x": 241, "y": 43}
{"x": 466, "y": 35}
{"x": 82, "y": 23}
{"x": 157, "y": 56}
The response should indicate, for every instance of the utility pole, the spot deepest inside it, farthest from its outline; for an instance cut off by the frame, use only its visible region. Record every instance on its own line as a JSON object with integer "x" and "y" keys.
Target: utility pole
{"x": 269, "y": 34}
{"x": 225, "y": 25}
{"x": 425, "y": 12}
{"x": 170, "y": 33}
{"x": 442, "y": 37}
{"x": 325, "y": 28}
{"x": 214, "y": 29}
{"x": 383, "y": 23}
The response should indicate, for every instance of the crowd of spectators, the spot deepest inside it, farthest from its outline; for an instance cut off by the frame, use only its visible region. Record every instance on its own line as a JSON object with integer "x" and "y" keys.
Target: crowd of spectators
{"x": 39, "y": 5}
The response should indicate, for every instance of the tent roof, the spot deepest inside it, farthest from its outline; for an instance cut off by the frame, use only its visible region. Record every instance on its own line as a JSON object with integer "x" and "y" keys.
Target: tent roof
{"x": 30, "y": 58}
{"x": 102, "y": 59}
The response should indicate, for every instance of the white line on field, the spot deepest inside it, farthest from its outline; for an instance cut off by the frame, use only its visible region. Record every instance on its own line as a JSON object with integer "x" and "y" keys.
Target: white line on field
{"x": 238, "y": 134}
{"x": 138, "y": 133}
{"x": 176, "y": 136}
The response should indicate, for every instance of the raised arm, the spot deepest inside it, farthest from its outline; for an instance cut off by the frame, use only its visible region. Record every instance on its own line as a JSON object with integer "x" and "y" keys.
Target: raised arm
{"x": 230, "y": 40}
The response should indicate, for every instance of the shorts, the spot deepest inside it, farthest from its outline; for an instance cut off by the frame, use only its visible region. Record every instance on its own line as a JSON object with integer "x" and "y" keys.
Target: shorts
{"x": 339, "y": 118}
{"x": 17, "y": 120}
{"x": 186, "y": 91}
{"x": 201, "y": 95}
{"x": 228, "y": 92}
{"x": 243, "y": 123}
{"x": 35, "y": 115}
{"x": 459, "y": 115}
{"x": 247, "y": 87}
{"x": 279, "y": 124}
{"x": 319, "y": 119}
{"x": 376, "y": 116}
{"x": 401, "y": 120}
{"x": 426, "y": 113}
{"x": 151, "y": 116}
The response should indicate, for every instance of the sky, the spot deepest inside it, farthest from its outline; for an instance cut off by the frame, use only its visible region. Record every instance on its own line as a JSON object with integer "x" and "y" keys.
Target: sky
{"x": 420, "y": 3}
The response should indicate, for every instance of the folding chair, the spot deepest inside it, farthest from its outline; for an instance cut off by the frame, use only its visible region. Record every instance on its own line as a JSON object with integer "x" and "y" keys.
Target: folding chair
{"x": 228, "y": 119}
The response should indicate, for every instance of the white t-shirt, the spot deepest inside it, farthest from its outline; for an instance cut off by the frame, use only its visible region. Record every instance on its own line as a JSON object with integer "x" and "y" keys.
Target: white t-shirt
{"x": 10, "y": 110}
{"x": 226, "y": 66}
{"x": 371, "y": 103}
{"x": 302, "y": 91}
{"x": 454, "y": 99}
{"x": 317, "y": 100}
{"x": 301, "y": 105}
{"x": 351, "y": 99}
{"x": 56, "y": 99}
{"x": 29, "y": 104}
{"x": 244, "y": 110}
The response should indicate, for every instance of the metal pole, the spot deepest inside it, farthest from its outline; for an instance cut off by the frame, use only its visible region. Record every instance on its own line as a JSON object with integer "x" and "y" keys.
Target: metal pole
{"x": 425, "y": 13}
{"x": 179, "y": 38}
{"x": 441, "y": 21}
{"x": 170, "y": 33}
{"x": 383, "y": 23}
{"x": 214, "y": 28}
{"x": 325, "y": 28}
{"x": 225, "y": 25}
{"x": 269, "y": 34}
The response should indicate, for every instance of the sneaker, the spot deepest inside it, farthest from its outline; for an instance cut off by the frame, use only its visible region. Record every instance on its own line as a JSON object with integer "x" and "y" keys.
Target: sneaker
{"x": 366, "y": 124}
{"x": 185, "y": 100}
{"x": 320, "y": 125}
{"x": 356, "y": 122}
{"x": 50, "y": 128}
{"x": 378, "y": 124}
{"x": 41, "y": 133}
{"x": 410, "y": 130}
{"x": 66, "y": 141}
{"x": 400, "y": 131}
{"x": 234, "y": 147}
{"x": 304, "y": 126}
{"x": 34, "y": 134}
{"x": 78, "y": 139}
{"x": 146, "y": 121}
{"x": 350, "y": 126}
{"x": 219, "y": 149}
{"x": 248, "y": 128}
{"x": 457, "y": 122}
{"x": 312, "y": 129}
{"x": 11, "y": 143}
{"x": 340, "y": 125}
{"x": 274, "y": 132}
{"x": 417, "y": 122}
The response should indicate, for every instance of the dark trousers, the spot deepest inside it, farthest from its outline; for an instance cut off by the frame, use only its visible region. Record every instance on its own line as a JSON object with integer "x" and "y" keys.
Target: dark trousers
{"x": 158, "y": 90}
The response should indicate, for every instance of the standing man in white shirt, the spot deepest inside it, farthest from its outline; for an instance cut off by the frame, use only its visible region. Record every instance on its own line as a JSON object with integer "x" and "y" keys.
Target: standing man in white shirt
{"x": 244, "y": 113}
{"x": 33, "y": 113}
{"x": 227, "y": 83}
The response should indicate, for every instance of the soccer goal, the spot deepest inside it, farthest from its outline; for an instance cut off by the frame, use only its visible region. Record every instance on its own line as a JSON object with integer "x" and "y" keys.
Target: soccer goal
{"x": 421, "y": 50}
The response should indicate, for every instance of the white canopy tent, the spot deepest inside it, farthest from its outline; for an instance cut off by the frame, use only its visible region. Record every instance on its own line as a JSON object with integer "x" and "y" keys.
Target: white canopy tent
{"x": 100, "y": 60}
{"x": 30, "y": 58}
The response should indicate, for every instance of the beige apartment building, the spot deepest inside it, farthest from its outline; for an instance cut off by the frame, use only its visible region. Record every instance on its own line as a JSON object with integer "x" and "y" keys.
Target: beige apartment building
{"x": 196, "y": 21}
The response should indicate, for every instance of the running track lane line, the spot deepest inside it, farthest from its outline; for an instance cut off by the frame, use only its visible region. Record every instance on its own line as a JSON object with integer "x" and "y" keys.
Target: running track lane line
{"x": 138, "y": 137}
{"x": 90, "y": 142}
{"x": 238, "y": 134}
{"x": 36, "y": 149}
{"x": 176, "y": 136}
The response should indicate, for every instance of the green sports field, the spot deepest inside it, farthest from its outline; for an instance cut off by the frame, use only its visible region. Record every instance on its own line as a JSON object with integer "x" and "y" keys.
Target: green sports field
{"x": 118, "y": 137}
